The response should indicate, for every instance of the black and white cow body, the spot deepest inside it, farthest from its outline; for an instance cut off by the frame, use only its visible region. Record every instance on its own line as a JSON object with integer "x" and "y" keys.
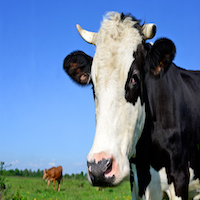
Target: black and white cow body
{"x": 175, "y": 130}
{"x": 147, "y": 110}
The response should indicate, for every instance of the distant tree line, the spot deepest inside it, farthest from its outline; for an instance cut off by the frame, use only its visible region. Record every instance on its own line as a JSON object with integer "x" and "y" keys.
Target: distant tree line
{"x": 24, "y": 173}
{"x": 17, "y": 172}
{"x": 38, "y": 173}
{"x": 80, "y": 176}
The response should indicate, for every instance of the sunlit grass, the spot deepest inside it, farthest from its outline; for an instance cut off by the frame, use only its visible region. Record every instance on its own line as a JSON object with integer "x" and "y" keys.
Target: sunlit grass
{"x": 71, "y": 189}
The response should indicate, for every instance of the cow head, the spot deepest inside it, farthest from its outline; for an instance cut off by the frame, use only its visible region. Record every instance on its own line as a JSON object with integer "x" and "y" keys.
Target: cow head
{"x": 117, "y": 74}
{"x": 45, "y": 174}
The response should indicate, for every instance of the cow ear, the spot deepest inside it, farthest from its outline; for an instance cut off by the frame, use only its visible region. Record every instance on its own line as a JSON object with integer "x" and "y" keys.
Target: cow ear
{"x": 161, "y": 56}
{"x": 78, "y": 66}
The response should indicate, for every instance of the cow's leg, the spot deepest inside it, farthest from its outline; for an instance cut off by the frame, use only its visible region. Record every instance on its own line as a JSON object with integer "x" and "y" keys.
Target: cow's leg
{"x": 157, "y": 186}
{"x": 153, "y": 190}
{"x": 194, "y": 186}
{"x": 179, "y": 171}
{"x": 48, "y": 181}
{"x": 54, "y": 182}
{"x": 58, "y": 185}
{"x": 197, "y": 197}
{"x": 171, "y": 193}
{"x": 181, "y": 180}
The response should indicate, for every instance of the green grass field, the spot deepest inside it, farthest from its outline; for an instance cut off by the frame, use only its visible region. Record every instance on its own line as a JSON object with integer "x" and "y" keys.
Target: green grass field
{"x": 71, "y": 189}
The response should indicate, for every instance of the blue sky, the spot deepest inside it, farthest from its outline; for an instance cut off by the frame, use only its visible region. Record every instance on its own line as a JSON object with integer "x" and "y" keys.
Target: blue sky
{"x": 46, "y": 119}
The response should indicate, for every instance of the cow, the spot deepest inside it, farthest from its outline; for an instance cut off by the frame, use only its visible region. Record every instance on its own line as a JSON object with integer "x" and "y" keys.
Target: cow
{"x": 147, "y": 110}
{"x": 53, "y": 174}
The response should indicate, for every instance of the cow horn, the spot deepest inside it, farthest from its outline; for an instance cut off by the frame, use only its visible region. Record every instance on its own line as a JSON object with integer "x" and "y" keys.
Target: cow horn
{"x": 149, "y": 31}
{"x": 88, "y": 36}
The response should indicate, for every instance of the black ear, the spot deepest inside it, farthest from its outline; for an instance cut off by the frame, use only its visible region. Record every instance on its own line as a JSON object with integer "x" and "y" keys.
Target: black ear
{"x": 78, "y": 66}
{"x": 161, "y": 55}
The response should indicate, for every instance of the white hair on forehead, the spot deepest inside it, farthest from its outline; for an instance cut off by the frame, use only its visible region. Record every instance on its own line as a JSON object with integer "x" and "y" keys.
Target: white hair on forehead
{"x": 116, "y": 17}
{"x": 117, "y": 40}
{"x": 113, "y": 24}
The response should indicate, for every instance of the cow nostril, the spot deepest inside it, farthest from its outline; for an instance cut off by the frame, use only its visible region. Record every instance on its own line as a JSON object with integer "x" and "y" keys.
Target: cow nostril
{"x": 108, "y": 166}
{"x": 109, "y": 162}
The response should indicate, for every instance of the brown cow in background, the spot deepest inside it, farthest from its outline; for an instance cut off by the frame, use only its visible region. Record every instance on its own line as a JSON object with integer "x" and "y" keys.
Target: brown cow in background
{"x": 54, "y": 174}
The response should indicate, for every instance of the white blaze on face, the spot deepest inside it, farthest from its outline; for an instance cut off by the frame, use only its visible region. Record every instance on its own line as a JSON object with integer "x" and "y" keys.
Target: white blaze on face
{"x": 118, "y": 123}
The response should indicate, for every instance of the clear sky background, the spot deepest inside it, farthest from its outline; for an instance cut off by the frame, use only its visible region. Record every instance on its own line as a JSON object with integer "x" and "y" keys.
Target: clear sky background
{"x": 45, "y": 119}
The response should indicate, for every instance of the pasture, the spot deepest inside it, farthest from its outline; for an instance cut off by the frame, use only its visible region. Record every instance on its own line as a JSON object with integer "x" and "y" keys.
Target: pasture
{"x": 71, "y": 189}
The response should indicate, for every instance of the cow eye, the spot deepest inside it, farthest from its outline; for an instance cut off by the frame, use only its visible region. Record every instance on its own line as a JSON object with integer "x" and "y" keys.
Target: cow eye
{"x": 134, "y": 82}
{"x": 132, "y": 88}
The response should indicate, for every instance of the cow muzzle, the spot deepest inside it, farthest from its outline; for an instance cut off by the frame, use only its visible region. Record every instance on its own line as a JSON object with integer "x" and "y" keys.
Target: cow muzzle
{"x": 102, "y": 172}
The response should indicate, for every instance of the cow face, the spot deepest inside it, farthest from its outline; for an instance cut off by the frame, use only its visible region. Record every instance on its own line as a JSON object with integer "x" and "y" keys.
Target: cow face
{"x": 116, "y": 75}
{"x": 45, "y": 174}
